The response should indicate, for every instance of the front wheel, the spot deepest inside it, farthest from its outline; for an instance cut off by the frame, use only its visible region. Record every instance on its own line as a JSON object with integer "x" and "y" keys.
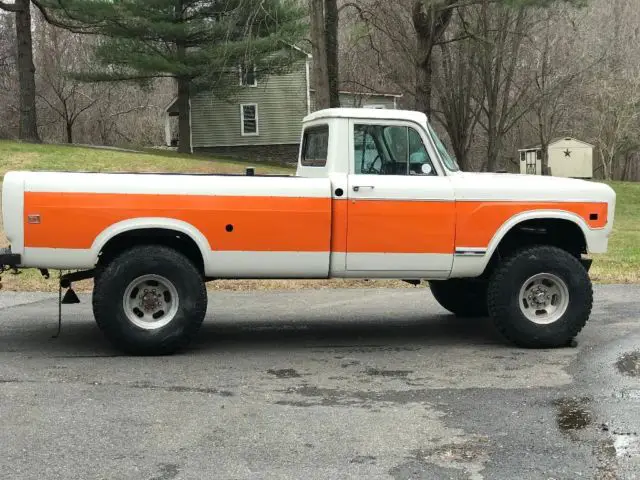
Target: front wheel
{"x": 150, "y": 300}
{"x": 541, "y": 297}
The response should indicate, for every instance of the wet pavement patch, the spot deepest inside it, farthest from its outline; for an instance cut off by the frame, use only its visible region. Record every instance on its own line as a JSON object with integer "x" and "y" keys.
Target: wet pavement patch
{"x": 633, "y": 394}
{"x": 627, "y": 445}
{"x": 447, "y": 461}
{"x": 350, "y": 363}
{"x": 167, "y": 471}
{"x": 419, "y": 469}
{"x": 605, "y": 453}
{"x": 629, "y": 364}
{"x": 374, "y": 372}
{"x": 362, "y": 459}
{"x": 284, "y": 373}
{"x": 572, "y": 413}
{"x": 311, "y": 396}
{"x": 181, "y": 389}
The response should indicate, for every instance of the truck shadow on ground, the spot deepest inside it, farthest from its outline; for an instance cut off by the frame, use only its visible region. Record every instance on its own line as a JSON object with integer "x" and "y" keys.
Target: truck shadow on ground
{"x": 331, "y": 332}
{"x": 81, "y": 336}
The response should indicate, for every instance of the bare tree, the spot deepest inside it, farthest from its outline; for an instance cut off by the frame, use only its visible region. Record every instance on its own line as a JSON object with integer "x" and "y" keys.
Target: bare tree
{"x": 8, "y": 79}
{"x": 28, "y": 129}
{"x": 608, "y": 97}
{"x": 378, "y": 46}
{"x": 499, "y": 32}
{"x": 430, "y": 20}
{"x": 60, "y": 52}
{"x": 458, "y": 108}
{"x": 324, "y": 42}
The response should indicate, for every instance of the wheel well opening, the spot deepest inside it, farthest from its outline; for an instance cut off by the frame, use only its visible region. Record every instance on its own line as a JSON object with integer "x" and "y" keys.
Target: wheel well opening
{"x": 560, "y": 233}
{"x": 152, "y": 236}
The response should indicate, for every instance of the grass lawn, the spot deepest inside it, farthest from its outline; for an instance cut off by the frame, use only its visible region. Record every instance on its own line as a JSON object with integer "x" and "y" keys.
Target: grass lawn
{"x": 620, "y": 265}
{"x": 22, "y": 156}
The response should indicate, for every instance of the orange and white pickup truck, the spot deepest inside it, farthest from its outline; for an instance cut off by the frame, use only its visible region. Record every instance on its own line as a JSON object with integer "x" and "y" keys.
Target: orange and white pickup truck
{"x": 375, "y": 195}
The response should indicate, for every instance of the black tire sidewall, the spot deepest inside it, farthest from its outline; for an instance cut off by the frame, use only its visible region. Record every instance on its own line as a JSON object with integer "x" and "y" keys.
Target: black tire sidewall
{"x": 109, "y": 294}
{"x": 462, "y": 297}
{"x": 504, "y": 292}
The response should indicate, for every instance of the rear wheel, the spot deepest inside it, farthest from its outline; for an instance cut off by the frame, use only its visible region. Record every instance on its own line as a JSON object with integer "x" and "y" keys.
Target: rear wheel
{"x": 463, "y": 297}
{"x": 540, "y": 297}
{"x": 150, "y": 300}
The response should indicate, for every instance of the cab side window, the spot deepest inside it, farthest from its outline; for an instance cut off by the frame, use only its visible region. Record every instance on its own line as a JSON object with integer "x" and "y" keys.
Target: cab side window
{"x": 315, "y": 146}
{"x": 390, "y": 150}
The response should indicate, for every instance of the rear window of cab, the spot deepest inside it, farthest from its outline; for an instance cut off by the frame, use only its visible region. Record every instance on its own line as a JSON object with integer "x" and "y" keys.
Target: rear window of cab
{"x": 315, "y": 146}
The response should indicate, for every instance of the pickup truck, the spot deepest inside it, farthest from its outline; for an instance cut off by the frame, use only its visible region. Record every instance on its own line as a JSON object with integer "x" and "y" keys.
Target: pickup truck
{"x": 375, "y": 195}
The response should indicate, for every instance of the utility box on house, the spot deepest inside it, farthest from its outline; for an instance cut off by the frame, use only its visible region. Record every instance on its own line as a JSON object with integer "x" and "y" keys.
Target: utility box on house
{"x": 568, "y": 157}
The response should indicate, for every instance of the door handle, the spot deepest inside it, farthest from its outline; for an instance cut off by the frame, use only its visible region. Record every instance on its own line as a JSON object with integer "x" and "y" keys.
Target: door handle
{"x": 356, "y": 188}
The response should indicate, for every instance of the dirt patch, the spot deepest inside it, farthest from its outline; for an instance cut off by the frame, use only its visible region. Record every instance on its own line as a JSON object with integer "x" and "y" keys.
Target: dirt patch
{"x": 629, "y": 364}
{"x": 572, "y": 413}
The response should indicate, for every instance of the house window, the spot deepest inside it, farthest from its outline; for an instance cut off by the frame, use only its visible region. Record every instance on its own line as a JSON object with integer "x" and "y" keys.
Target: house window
{"x": 315, "y": 146}
{"x": 248, "y": 76}
{"x": 249, "y": 119}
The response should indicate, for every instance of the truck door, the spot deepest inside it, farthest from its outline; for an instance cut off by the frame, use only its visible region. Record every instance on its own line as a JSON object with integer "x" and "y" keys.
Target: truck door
{"x": 401, "y": 211}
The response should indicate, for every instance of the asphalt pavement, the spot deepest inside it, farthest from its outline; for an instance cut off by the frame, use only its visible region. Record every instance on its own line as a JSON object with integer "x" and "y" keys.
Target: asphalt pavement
{"x": 327, "y": 384}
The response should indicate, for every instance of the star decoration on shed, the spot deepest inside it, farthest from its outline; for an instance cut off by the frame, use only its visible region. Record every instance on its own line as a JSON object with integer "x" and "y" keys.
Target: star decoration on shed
{"x": 567, "y": 153}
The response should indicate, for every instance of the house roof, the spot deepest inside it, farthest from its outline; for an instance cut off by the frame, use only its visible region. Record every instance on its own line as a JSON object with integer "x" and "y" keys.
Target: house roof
{"x": 553, "y": 142}
{"x": 172, "y": 107}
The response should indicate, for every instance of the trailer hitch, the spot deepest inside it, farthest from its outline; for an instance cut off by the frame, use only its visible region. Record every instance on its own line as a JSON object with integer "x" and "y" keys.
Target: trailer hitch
{"x": 70, "y": 297}
{"x": 8, "y": 261}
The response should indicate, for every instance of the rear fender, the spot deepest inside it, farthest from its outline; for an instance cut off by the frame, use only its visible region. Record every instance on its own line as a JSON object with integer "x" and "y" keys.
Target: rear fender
{"x": 153, "y": 222}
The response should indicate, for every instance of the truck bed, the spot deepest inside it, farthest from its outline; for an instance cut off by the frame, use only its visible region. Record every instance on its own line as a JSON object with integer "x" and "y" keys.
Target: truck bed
{"x": 243, "y": 225}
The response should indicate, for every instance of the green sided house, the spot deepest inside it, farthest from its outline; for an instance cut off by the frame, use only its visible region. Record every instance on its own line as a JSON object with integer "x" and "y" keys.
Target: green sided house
{"x": 262, "y": 121}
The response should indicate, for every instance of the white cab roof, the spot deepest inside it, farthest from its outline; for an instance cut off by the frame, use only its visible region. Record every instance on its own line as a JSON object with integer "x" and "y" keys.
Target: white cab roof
{"x": 368, "y": 113}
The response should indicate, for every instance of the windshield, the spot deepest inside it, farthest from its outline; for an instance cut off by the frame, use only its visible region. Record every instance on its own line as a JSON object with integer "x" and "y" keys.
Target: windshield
{"x": 448, "y": 160}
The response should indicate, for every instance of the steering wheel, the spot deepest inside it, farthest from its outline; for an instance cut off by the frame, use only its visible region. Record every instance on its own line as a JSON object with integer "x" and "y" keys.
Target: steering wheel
{"x": 372, "y": 168}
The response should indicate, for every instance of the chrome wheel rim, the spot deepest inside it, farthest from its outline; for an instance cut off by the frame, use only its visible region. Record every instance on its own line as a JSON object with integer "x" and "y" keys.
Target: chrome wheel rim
{"x": 151, "y": 302}
{"x": 544, "y": 298}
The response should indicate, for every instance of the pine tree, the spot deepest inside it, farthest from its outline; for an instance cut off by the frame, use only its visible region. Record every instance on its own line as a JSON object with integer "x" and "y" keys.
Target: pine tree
{"x": 199, "y": 43}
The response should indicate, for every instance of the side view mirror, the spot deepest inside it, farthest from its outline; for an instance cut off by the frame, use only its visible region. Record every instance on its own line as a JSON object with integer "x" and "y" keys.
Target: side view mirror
{"x": 426, "y": 169}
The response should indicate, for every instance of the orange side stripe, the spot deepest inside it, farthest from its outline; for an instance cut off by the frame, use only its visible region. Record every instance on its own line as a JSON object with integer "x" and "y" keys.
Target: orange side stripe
{"x": 401, "y": 226}
{"x": 74, "y": 220}
{"x": 339, "y": 222}
{"x": 477, "y": 222}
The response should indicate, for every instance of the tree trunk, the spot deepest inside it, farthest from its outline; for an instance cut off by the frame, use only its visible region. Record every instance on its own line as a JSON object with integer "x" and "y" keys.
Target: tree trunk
{"x": 627, "y": 163}
{"x": 424, "y": 86}
{"x": 331, "y": 37}
{"x": 28, "y": 130}
{"x": 69, "y": 132}
{"x": 320, "y": 59}
{"x": 544, "y": 163}
{"x": 493, "y": 146}
{"x": 184, "y": 115}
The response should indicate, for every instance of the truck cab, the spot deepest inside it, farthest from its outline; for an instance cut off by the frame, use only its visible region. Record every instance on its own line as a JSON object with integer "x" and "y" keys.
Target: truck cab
{"x": 392, "y": 198}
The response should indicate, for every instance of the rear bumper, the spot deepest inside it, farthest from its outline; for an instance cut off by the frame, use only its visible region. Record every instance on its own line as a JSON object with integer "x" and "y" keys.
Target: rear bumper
{"x": 8, "y": 259}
